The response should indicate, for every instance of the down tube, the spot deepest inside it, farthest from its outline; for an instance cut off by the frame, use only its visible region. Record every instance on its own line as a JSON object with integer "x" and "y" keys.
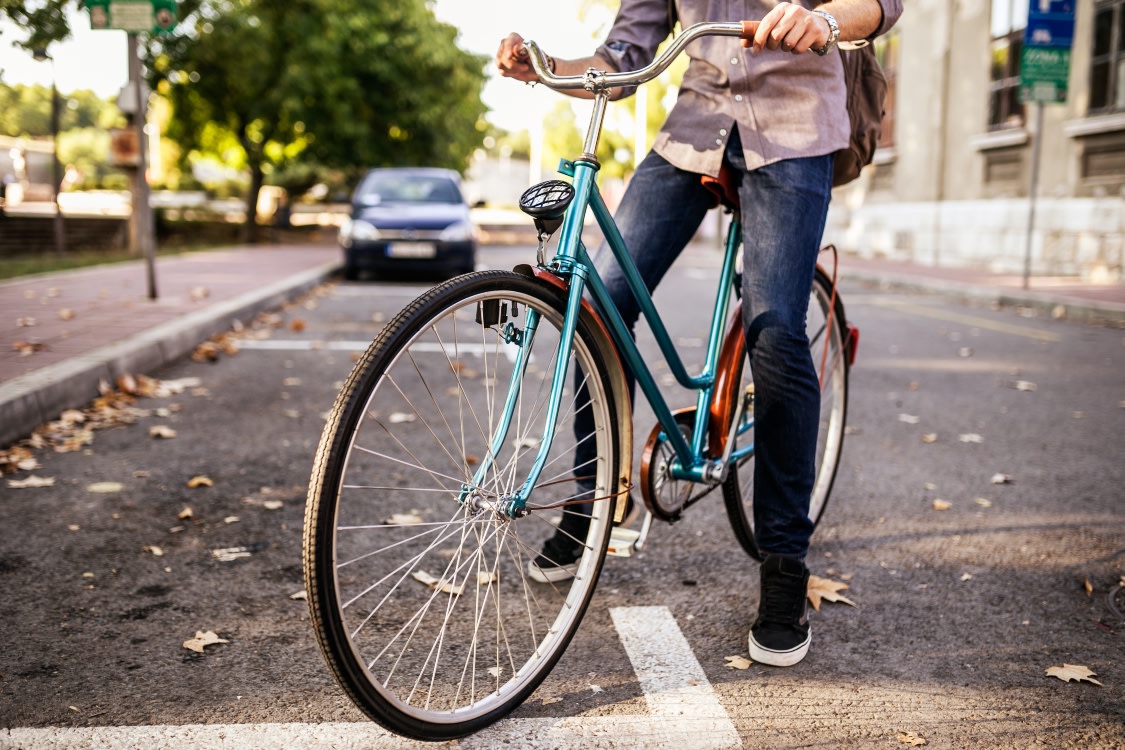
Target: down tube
{"x": 630, "y": 354}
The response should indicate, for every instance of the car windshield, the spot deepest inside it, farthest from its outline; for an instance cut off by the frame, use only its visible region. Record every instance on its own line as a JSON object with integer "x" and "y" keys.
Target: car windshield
{"x": 404, "y": 188}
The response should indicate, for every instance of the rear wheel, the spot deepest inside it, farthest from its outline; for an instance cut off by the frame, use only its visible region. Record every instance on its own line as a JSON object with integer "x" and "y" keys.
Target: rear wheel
{"x": 415, "y": 569}
{"x": 827, "y": 337}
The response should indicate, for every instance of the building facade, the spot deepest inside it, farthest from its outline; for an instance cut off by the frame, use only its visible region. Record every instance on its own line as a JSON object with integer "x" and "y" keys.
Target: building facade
{"x": 951, "y": 184}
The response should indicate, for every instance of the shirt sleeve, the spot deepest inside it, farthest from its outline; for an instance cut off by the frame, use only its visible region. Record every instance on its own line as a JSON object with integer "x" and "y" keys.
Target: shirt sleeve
{"x": 892, "y": 9}
{"x": 638, "y": 30}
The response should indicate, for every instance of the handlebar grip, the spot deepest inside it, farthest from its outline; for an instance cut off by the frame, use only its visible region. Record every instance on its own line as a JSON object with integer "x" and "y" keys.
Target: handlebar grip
{"x": 748, "y": 30}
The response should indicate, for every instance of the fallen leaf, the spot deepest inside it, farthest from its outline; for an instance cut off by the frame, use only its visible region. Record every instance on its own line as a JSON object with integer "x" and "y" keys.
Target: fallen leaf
{"x": 66, "y": 314}
{"x": 983, "y": 502}
{"x": 272, "y": 504}
{"x": 154, "y": 550}
{"x": 203, "y": 639}
{"x": 441, "y": 585}
{"x": 965, "y": 351}
{"x": 912, "y": 739}
{"x": 929, "y": 437}
{"x": 1088, "y": 586}
{"x": 404, "y": 519}
{"x": 826, "y": 589}
{"x": 495, "y": 671}
{"x": 185, "y": 514}
{"x": 199, "y": 292}
{"x": 1068, "y": 672}
{"x": 200, "y": 481}
{"x": 301, "y": 595}
{"x": 161, "y": 431}
{"x": 970, "y": 437}
{"x": 30, "y": 482}
{"x": 400, "y": 417}
{"x": 230, "y": 554}
{"x": 940, "y": 504}
{"x": 1001, "y": 479}
{"x": 25, "y": 322}
{"x": 966, "y": 576}
{"x": 484, "y": 577}
{"x": 104, "y": 487}
{"x": 1024, "y": 385}
{"x": 737, "y": 662}
{"x": 596, "y": 689}
{"x": 909, "y": 418}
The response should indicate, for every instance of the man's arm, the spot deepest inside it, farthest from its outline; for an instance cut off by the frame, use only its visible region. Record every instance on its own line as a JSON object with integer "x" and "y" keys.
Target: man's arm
{"x": 793, "y": 28}
{"x": 512, "y": 62}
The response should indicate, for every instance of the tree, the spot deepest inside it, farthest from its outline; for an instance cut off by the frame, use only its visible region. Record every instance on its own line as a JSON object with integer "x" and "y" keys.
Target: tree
{"x": 345, "y": 84}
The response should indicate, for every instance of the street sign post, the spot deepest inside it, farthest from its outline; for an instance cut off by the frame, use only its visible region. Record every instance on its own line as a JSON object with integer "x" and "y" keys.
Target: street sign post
{"x": 134, "y": 16}
{"x": 1044, "y": 70}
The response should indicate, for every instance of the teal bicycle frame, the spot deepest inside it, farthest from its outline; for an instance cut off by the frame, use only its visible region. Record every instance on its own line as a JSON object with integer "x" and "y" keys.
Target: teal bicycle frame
{"x": 572, "y": 262}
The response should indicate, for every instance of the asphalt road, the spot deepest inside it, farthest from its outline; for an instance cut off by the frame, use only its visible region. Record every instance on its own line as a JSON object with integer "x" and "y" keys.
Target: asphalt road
{"x": 977, "y": 520}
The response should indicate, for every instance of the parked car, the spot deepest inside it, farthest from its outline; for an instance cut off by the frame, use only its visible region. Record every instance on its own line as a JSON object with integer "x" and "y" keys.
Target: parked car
{"x": 408, "y": 219}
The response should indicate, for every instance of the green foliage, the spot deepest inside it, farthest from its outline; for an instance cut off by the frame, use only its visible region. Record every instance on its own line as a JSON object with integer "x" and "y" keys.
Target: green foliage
{"x": 343, "y": 85}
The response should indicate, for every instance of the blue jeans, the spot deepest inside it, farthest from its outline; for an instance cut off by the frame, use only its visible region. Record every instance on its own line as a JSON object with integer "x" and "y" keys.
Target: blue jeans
{"x": 784, "y": 206}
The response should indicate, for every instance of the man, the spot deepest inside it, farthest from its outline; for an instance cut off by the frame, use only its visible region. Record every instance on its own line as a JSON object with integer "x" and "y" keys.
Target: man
{"x": 773, "y": 112}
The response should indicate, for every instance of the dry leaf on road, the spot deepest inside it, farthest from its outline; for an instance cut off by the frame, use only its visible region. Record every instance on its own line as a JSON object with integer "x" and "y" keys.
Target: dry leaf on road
{"x": 30, "y": 482}
{"x": 1068, "y": 672}
{"x": 200, "y": 481}
{"x": 161, "y": 431}
{"x": 940, "y": 504}
{"x": 911, "y": 738}
{"x": 826, "y": 589}
{"x": 737, "y": 662}
{"x": 203, "y": 639}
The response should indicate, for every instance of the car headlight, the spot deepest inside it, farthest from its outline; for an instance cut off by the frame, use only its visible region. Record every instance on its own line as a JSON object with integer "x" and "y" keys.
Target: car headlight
{"x": 357, "y": 229}
{"x": 459, "y": 231}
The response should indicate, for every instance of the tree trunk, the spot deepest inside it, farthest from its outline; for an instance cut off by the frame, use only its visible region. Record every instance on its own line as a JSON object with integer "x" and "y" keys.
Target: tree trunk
{"x": 250, "y": 230}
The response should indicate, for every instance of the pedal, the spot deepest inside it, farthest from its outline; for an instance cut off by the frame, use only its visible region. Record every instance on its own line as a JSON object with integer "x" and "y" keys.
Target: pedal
{"x": 621, "y": 542}
{"x": 624, "y": 541}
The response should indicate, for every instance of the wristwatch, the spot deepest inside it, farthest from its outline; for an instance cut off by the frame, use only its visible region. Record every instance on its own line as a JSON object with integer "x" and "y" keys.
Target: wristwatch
{"x": 833, "y": 33}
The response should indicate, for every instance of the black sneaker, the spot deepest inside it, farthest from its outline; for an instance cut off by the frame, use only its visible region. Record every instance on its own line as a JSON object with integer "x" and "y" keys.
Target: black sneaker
{"x": 780, "y": 636}
{"x": 558, "y": 560}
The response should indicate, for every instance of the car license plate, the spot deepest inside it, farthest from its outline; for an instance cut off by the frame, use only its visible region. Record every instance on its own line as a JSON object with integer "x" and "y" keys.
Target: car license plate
{"x": 411, "y": 250}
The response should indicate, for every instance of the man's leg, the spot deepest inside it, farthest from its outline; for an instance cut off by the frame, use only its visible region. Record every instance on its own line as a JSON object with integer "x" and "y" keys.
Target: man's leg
{"x": 659, "y": 214}
{"x": 784, "y": 209}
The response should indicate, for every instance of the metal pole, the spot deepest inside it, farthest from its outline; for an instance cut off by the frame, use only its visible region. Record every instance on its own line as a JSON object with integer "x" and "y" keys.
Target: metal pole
{"x": 1037, "y": 137}
{"x": 142, "y": 212}
{"x": 56, "y": 175}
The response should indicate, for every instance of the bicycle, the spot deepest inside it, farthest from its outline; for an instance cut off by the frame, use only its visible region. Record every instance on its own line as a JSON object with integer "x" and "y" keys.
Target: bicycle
{"x": 441, "y": 460}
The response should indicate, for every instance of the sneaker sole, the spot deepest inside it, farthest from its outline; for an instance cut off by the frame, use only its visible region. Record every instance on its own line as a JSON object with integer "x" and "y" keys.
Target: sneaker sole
{"x": 552, "y": 574}
{"x": 774, "y": 658}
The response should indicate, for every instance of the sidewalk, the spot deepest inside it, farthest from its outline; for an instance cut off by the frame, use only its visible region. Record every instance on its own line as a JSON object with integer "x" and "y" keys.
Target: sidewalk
{"x": 65, "y": 332}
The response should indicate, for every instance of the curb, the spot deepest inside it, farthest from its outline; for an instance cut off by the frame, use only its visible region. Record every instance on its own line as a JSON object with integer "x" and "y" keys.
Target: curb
{"x": 38, "y": 397}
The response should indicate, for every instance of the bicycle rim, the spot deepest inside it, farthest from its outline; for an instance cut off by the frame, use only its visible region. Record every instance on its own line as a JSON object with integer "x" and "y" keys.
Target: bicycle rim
{"x": 826, "y": 332}
{"x": 420, "y": 600}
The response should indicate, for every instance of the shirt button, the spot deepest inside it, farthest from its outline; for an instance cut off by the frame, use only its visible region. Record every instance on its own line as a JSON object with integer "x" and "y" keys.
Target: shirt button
{"x": 722, "y": 131}
{"x": 718, "y": 141}
{"x": 738, "y": 97}
{"x": 734, "y": 61}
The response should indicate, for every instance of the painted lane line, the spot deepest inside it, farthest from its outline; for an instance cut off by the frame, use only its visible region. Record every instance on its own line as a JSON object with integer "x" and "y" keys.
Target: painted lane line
{"x": 674, "y": 683}
{"x": 685, "y": 714}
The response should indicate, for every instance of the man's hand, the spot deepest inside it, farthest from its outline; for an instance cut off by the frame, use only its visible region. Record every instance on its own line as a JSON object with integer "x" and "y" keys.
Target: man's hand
{"x": 790, "y": 28}
{"x": 512, "y": 60}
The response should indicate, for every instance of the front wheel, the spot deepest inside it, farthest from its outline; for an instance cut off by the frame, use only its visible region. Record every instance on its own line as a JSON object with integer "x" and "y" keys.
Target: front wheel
{"x": 827, "y": 336}
{"x": 416, "y": 570}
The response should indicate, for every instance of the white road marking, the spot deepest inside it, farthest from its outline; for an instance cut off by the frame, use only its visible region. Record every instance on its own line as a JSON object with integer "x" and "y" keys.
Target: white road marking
{"x": 685, "y": 714}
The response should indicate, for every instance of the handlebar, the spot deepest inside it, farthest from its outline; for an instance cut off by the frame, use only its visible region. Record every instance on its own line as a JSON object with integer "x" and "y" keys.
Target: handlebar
{"x": 600, "y": 80}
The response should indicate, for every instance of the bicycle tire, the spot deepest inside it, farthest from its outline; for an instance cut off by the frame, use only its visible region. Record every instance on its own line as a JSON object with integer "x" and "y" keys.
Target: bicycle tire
{"x": 738, "y": 485}
{"x": 409, "y": 428}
